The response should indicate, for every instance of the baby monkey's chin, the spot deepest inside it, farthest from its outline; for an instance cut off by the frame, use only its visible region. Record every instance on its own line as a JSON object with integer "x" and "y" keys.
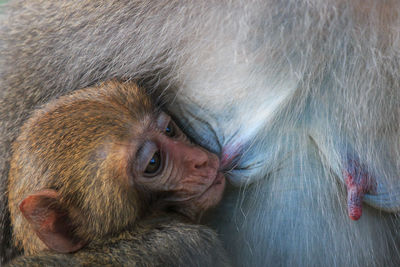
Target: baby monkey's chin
{"x": 213, "y": 195}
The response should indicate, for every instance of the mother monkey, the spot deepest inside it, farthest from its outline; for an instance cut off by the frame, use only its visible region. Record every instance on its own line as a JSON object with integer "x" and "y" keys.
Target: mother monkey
{"x": 301, "y": 98}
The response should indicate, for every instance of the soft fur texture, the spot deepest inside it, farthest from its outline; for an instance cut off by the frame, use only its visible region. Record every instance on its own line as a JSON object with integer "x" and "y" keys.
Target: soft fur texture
{"x": 165, "y": 241}
{"x": 293, "y": 87}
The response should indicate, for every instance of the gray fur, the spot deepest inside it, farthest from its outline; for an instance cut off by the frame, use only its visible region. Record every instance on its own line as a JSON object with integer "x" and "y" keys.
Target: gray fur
{"x": 297, "y": 84}
{"x": 159, "y": 241}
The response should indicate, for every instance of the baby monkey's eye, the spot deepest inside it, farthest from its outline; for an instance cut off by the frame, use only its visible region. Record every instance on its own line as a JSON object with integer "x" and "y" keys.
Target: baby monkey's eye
{"x": 170, "y": 129}
{"x": 154, "y": 164}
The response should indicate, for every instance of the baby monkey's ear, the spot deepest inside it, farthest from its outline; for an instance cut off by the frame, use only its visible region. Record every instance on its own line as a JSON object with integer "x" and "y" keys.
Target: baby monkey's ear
{"x": 51, "y": 221}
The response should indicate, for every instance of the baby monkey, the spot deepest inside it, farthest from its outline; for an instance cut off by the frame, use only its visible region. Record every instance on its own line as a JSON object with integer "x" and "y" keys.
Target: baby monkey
{"x": 105, "y": 168}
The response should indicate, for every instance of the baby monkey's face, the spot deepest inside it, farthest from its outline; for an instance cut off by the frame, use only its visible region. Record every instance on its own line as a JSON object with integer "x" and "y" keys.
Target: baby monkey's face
{"x": 163, "y": 161}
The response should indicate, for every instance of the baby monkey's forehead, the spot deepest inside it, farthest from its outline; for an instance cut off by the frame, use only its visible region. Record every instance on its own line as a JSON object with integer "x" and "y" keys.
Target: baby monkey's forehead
{"x": 145, "y": 127}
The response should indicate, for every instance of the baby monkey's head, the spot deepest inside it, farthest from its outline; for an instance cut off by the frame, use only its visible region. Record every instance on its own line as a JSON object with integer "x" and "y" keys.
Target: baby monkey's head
{"x": 89, "y": 164}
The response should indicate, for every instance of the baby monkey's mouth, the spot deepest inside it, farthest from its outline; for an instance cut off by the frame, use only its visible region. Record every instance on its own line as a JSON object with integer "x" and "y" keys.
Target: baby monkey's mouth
{"x": 218, "y": 178}
{"x": 217, "y": 182}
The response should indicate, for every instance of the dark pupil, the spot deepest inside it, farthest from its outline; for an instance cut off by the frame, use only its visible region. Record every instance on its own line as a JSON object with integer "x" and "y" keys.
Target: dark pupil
{"x": 154, "y": 164}
{"x": 169, "y": 131}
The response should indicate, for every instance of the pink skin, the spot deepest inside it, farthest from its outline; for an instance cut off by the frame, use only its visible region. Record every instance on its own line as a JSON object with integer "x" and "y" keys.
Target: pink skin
{"x": 201, "y": 184}
{"x": 197, "y": 166}
{"x": 229, "y": 154}
{"x": 190, "y": 172}
{"x": 359, "y": 183}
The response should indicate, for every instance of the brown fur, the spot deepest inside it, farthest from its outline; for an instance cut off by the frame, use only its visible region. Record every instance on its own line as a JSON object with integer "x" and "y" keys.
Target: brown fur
{"x": 46, "y": 157}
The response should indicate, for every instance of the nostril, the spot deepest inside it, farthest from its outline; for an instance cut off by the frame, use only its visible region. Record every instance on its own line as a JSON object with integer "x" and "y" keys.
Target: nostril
{"x": 200, "y": 166}
{"x": 200, "y": 160}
